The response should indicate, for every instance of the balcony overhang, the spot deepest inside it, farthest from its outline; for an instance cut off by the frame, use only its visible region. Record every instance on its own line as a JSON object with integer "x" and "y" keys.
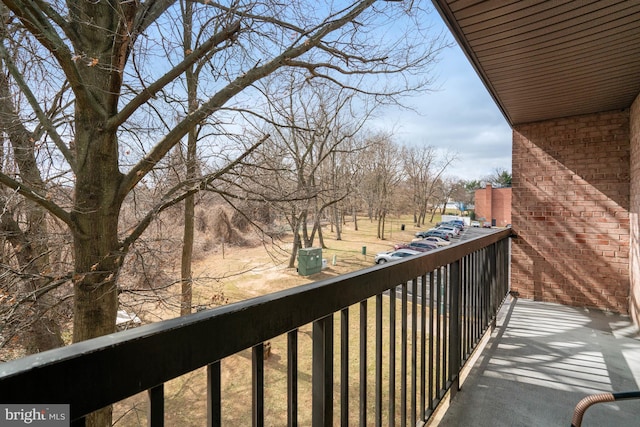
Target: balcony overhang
{"x": 546, "y": 59}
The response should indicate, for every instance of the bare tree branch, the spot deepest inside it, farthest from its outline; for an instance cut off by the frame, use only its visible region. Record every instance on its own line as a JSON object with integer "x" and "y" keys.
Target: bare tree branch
{"x": 33, "y": 195}
{"x": 183, "y": 190}
{"x": 228, "y": 92}
{"x": 152, "y": 89}
{"x": 33, "y": 102}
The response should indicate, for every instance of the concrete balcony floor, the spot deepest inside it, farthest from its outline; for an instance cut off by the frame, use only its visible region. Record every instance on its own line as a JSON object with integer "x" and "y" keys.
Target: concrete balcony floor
{"x": 541, "y": 360}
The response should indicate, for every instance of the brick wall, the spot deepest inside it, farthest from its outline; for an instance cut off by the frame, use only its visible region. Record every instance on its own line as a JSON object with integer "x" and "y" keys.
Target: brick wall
{"x": 634, "y": 215}
{"x": 571, "y": 199}
{"x": 493, "y": 204}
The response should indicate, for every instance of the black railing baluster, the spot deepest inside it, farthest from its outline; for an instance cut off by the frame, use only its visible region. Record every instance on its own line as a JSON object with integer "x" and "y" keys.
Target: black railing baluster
{"x": 292, "y": 378}
{"x": 344, "y": 367}
{"x": 214, "y": 396}
{"x": 414, "y": 348}
{"x": 423, "y": 348}
{"x": 464, "y": 280}
{"x": 322, "y": 373}
{"x": 392, "y": 356}
{"x": 378, "y": 360}
{"x": 432, "y": 338}
{"x": 363, "y": 363}
{"x": 257, "y": 384}
{"x": 467, "y": 304}
{"x": 156, "y": 406}
{"x": 438, "y": 351}
{"x": 469, "y": 309}
{"x": 454, "y": 327}
{"x": 487, "y": 284}
{"x": 445, "y": 331}
{"x": 403, "y": 359}
{"x": 477, "y": 295}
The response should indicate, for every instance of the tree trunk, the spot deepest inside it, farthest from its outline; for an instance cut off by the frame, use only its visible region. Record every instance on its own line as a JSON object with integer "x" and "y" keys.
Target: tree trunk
{"x": 382, "y": 215}
{"x": 97, "y": 261}
{"x": 294, "y": 249}
{"x": 98, "y": 255}
{"x": 186, "y": 277}
{"x": 321, "y": 239}
{"x": 294, "y": 223}
{"x": 336, "y": 215}
{"x": 30, "y": 243}
{"x": 44, "y": 332}
{"x": 355, "y": 218}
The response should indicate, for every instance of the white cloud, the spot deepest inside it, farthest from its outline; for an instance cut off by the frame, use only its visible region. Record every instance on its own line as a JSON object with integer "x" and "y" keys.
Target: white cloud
{"x": 460, "y": 117}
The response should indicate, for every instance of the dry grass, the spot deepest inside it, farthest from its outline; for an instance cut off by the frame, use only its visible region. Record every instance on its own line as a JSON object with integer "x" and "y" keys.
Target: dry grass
{"x": 240, "y": 273}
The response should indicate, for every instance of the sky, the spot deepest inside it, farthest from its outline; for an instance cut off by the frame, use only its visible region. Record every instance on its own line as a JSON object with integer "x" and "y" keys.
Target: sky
{"x": 460, "y": 117}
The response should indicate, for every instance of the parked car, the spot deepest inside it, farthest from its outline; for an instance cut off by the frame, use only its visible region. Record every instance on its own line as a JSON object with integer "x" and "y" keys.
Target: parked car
{"x": 419, "y": 245}
{"x": 475, "y": 224}
{"x": 433, "y": 232}
{"x": 438, "y": 241}
{"x": 451, "y": 229}
{"x": 394, "y": 255}
{"x": 486, "y": 224}
{"x": 457, "y": 222}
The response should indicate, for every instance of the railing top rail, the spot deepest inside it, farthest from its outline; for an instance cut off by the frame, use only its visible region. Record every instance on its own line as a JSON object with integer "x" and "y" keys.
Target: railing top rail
{"x": 150, "y": 355}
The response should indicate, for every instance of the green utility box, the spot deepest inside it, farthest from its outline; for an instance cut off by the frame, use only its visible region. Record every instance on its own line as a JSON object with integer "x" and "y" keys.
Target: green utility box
{"x": 309, "y": 261}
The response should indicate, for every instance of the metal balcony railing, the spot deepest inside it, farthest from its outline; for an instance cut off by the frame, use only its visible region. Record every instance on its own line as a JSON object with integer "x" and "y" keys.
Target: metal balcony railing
{"x": 437, "y": 306}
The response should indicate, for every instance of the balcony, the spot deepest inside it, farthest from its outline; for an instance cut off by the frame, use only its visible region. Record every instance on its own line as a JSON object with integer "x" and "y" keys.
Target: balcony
{"x": 538, "y": 363}
{"x": 422, "y": 326}
{"x": 541, "y": 360}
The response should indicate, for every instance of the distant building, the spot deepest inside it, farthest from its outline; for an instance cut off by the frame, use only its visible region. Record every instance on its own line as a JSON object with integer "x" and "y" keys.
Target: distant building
{"x": 494, "y": 204}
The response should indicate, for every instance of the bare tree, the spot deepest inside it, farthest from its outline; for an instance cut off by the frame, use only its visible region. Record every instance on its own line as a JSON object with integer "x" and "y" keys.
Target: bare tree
{"x": 382, "y": 178}
{"x": 191, "y": 75}
{"x": 310, "y": 125}
{"x": 24, "y": 224}
{"x": 122, "y": 77}
{"x": 464, "y": 193}
{"x": 424, "y": 168}
{"x": 446, "y": 186}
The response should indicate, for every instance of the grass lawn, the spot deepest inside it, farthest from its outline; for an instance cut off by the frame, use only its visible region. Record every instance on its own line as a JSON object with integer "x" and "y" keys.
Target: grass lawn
{"x": 241, "y": 273}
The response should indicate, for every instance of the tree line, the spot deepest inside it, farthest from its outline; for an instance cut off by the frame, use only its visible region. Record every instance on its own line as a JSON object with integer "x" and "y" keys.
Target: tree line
{"x": 116, "y": 112}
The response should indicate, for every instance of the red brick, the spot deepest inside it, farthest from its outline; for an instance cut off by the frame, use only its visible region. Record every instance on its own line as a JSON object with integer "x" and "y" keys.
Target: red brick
{"x": 571, "y": 199}
{"x": 494, "y": 204}
{"x": 634, "y": 211}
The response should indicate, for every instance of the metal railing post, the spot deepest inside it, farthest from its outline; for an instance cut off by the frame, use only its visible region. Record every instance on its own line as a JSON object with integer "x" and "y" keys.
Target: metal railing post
{"x": 454, "y": 327}
{"x": 214, "y": 398}
{"x": 322, "y": 372}
{"x": 257, "y": 358}
{"x": 156, "y": 406}
{"x": 292, "y": 378}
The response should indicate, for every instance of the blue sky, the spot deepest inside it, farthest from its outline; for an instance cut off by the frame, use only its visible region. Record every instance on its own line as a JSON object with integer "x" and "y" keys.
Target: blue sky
{"x": 461, "y": 117}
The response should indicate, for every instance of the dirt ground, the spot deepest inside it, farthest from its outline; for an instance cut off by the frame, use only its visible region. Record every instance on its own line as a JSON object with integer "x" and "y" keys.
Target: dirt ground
{"x": 245, "y": 272}
{"x": 232, "y": 274}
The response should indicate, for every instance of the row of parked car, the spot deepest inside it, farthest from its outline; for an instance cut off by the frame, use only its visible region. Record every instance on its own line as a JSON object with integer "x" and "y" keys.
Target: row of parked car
{"x": 434, "y": 238}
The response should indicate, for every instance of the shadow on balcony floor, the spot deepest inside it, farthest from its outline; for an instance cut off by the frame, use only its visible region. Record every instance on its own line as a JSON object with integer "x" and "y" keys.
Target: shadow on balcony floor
{"x": 541, "y": 360}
